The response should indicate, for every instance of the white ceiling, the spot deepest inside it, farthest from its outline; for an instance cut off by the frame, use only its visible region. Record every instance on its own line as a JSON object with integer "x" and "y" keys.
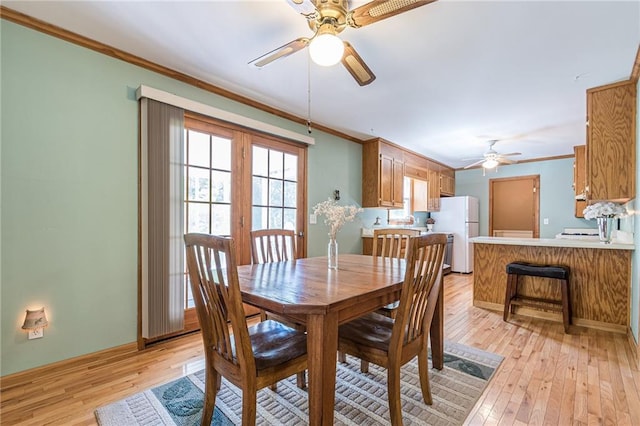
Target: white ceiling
{"x": 450, "y": 75}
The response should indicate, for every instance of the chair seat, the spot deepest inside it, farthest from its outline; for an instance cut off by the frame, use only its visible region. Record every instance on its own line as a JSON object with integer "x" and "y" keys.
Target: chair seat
{"x": 546, "y": 271}
{"x": 372, "y": 330}
{"x": 274, "y": 344}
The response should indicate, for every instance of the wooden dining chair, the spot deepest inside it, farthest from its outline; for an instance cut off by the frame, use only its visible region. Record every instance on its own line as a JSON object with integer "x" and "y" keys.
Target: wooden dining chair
{"x": 391, "y": 343}
{"x": 392, "y": 243}
{"x": 389, "y": 243}
{"x": 276, "y": 245}
{"x": 273, "y": 245}
{"x": 252, "y": 357}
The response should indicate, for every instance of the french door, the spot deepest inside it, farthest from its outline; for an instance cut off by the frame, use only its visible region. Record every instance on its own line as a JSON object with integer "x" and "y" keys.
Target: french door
{"x": 237, "y": 181}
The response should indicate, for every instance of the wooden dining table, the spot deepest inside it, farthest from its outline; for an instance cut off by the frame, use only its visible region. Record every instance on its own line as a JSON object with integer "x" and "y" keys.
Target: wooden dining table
{"x": 307, "y": 291}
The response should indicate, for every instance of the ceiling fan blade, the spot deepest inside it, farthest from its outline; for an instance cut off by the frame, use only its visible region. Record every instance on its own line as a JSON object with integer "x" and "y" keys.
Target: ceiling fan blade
{"x": 280, "y": 52}
{"x": 474, "y": 164}
{"x": 506, "y": 161}
{"x": 305, "y": 8}
{"x": 378, "y": 10}
{"x": 356, "y": 66}
{"x": 511, "y": 153}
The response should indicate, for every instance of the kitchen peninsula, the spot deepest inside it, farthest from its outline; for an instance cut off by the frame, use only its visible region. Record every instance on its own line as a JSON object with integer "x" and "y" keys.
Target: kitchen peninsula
{"x": 599, "y": 284}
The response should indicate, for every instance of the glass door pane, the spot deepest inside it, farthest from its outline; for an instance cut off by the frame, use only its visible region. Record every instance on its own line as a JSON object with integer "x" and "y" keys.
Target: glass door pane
{"x": 207, "y": 187}
{"x": 274, "y": 189}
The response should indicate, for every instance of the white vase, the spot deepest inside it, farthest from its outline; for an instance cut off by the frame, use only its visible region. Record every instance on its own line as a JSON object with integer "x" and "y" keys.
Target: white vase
{"x": 605, "y": 226}
{"x": 332, "y": 253}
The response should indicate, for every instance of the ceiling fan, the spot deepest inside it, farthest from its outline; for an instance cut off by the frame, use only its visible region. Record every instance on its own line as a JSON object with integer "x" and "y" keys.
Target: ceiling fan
{"x": 492, "y": 159}
{"x": 327, "y": 19}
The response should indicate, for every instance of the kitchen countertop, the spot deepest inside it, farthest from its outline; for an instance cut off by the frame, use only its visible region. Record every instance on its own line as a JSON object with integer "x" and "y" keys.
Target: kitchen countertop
{"x": 551, "y": 242}
{"x": 368, "y": 232}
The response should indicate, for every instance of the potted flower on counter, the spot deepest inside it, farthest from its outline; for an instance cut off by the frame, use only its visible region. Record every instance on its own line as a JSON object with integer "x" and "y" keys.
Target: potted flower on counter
{"x": 604, "y": 213}
{"x": 430, "y": 221}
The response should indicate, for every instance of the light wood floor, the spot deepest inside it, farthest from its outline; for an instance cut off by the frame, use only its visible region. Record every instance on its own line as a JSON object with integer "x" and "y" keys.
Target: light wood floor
{"x": 547, "y": 377}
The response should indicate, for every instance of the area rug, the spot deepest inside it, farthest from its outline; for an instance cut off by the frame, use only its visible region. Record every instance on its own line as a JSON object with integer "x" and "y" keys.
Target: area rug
{"x": 361, "y": 399}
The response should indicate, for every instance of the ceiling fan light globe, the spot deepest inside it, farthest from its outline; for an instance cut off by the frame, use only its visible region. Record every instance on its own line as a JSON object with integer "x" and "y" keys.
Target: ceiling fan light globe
{"x": 490, "y": 163}
{"x": 326, "y": 49}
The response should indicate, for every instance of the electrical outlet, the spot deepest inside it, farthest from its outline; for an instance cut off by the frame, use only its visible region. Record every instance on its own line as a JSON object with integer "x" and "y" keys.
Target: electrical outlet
{"x": 545, "y": 221}
{"x": 313, "y": 219}
{"x": 36, "y": 334}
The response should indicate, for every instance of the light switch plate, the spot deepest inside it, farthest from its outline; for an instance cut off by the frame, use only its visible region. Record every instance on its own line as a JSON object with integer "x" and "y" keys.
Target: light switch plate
{"x": 313, "y": 219}
{"x": 546, "y": 221}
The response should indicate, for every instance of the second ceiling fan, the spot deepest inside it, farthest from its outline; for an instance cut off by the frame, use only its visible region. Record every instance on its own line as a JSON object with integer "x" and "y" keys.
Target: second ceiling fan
{"x": 492, "y": 159}
{"x": 327, "y": 19}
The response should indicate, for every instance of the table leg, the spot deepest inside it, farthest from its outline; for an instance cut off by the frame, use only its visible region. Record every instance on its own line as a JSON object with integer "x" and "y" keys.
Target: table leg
{"x": 322, "y": 347}
{"x": 437, "y": 332}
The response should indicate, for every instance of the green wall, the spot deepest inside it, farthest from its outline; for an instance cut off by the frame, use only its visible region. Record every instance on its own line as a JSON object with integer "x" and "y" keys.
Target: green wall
{"x": 69, "y": 193}
{"x": 556, "y": 193}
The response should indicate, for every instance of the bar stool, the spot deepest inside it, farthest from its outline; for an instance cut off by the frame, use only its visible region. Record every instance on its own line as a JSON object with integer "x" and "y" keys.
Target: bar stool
{"x": 559, "y": 272}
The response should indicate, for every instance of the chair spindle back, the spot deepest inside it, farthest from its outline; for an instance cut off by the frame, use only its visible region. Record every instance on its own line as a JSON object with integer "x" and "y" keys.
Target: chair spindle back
{"x": 214, "y": 282}
{"x": 273, "y": 245}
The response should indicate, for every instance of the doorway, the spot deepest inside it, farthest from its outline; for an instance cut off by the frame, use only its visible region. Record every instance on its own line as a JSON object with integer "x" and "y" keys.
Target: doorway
{"x": 514, "y": 205}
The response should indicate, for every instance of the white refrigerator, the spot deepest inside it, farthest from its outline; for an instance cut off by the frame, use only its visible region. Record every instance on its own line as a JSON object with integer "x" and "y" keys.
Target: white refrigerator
{"x": 459, "y": 216}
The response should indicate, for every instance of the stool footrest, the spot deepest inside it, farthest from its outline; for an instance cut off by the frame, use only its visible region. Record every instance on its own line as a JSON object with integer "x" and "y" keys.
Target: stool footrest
{"x": 534, "y": 302}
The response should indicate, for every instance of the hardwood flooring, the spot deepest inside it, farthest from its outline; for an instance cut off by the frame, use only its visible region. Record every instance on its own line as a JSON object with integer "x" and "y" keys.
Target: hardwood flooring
{"x": 547, "y": 377}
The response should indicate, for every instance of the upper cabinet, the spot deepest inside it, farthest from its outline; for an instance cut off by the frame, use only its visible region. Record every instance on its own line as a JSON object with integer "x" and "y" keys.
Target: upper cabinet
{"x": 611, "y": 135}
{"x": 382, "y": 174}
{"x": 447, "y": 183}
{"x": 384, "y": 166}
{"x": 433, "y": 197}
{"x": 579, "y": 178}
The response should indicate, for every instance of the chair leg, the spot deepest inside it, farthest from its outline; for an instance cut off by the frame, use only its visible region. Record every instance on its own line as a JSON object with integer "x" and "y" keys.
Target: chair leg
{"x": 509, "y": 295}
{"x": 393, "y": 393}
{"x": 423, "y": 371}
{"x": 364, "y": 366}
{"x": 249, "y": 404}
{"x": 211, "y": 380}
{"x": 301, "y": 379}
{"x": 566, "y": 306}
{"x": 342, "y": 357}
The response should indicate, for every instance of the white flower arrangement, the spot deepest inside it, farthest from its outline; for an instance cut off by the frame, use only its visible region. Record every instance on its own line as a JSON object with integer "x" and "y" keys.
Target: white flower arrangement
{"x": 335, "y": 215}
{"x": 604, "y": 209}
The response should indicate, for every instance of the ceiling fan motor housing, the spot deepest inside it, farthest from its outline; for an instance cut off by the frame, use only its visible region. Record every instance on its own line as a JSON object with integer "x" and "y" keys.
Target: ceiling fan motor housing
{"x": 330, "y": 11}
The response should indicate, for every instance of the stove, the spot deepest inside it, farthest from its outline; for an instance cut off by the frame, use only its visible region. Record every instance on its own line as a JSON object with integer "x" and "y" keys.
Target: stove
{"x": 579, "y": 234}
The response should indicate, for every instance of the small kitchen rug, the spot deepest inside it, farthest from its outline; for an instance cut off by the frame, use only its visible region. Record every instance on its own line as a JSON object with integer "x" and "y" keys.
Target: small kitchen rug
{"x": 361, "y": 399}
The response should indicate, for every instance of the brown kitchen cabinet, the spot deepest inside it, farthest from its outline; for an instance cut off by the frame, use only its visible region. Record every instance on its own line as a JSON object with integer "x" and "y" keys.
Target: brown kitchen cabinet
{"x": 579, "y": 178}
{"x": 425, "y": 183}
{"x": 447, "y": 183}
{"x": 611, "y": 142}
{"x": 382, "y": 174}
{"x": 433, "y": 197}
{"x": 384, "y": 167}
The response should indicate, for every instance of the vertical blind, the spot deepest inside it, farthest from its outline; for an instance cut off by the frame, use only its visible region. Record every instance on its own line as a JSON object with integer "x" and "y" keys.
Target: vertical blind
{"x": 162, "y": 187}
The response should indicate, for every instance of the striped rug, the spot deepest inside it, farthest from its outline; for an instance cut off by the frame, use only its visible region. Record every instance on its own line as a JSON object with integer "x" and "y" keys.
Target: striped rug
{"x": 361, "y": 399}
